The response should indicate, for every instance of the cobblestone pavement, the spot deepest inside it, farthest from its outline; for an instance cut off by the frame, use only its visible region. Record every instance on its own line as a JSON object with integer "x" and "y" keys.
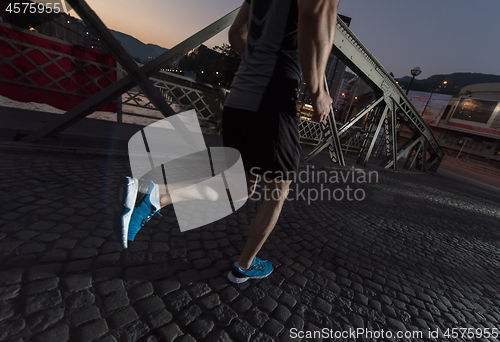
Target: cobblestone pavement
{"x": 419, "y": 252}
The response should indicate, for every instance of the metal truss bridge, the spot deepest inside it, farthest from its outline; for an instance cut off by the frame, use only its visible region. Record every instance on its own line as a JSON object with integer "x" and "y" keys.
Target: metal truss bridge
{"x": 391, "y": 105}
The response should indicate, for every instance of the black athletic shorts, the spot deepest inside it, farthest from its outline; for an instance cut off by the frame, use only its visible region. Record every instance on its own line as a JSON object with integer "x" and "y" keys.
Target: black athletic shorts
{"x": 269, "y": 143}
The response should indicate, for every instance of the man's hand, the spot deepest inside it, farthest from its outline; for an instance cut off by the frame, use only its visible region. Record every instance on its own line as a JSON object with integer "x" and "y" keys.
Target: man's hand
{"x": 321, "y": 105}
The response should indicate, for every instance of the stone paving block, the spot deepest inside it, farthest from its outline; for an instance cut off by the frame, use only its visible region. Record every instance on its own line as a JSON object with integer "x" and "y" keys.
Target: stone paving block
{"x": 79, "y": 266}
{"x": 42, "y": 301}
{"x": 223, "y": 314}
{"x": 334, "y": 287}
{"x": 107, "y": 273}
{"x": 295, "y": 322}
{"x": 107, "y": 338}
{"x": 80, "y": 299}
{"x": 311, "y": 315}
{"x": 42, "y": 225}
{"x": 322, "y": 305}
{"x": 65, "y": 243}
{"x": 409, "y": 291}
{"x": 77, "y": 282}
{"x": 373, "y": 285}
{"x": 141, "y": 291}
{"x": 285, "y": 271}
{"x": 229, "y": 294}
{"x": 188, "y": 277}
{"x": 299, "y": 279}
{"x": 83, "y": 253}
{"x": 202, "y": 263}
{"x": 84, "y": 315}
{"x": 357, "y": 287}
{"x": 241, "y": 330}
{"x": 11, "y": 328}
{"x": 92, "y": 331}
{"x": 149, "y": 304}
{"x": 187, "y": 338}
{"x": 256, "y": 317}
{"x": 170, "y": 332}
{"x": 43, "y": 271}
{"x": 8, "y": 292}
{"x": 107, "y": 259}
{"x": 469, "y": 317}
{"x": 41, "y": 320}
{"x": 282, "y": 313}
{"x": 268, "y": 304}
{"x": 7, "y": 247}
{"x": 398, "y": 304}
{"x": 274, "y": 292}
{"x": 210, "y": 301}
{"x": 273, "y": 327}
{"x": 159, "y": 318}
{"x": 417, "y": 303}
{"x": 201, "y": 328}
{"x": 188, "y": 315}
{"x": 361, "y": 299}
{"x": 133, "y": 331}
{"x": 178, "y": 300}
{"x": 242, "y": 304}
{"x": 446, "y": 302}
{"x": 109, "y": 286}
{"x": 424, "y": 297}
{"x": 39, "y": 286}
{"x": 357, "y": 321}
{"x": 59, "y": 333}
{"x": 396, "y": 325}
{"x": 115, "y": 300}
{"x": 165, "y": 287}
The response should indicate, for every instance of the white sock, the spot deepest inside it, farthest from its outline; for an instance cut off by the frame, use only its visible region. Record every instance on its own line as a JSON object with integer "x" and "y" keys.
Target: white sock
{"x": 241, "y": 267}
{"x": 155, "y": 197}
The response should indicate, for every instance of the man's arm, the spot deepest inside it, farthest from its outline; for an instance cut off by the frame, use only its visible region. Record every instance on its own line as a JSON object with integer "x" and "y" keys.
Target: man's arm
{"x": 317, "y": 20}
{"x": 239, "y": 29}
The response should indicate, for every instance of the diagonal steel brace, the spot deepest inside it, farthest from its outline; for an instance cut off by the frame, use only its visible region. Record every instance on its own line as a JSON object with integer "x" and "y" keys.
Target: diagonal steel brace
{"x": 108, "y": 94}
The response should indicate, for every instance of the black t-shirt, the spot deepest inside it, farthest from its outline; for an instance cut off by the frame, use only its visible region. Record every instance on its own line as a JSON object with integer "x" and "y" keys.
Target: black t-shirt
{"x": 268, "y": 77}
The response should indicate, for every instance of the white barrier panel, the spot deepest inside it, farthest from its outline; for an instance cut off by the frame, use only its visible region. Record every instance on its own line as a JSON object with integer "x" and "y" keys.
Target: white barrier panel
{"x": 205, "y": 184}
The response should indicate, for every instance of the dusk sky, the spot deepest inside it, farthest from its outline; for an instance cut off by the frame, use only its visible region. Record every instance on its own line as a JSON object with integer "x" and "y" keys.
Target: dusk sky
{"x": 441, "y": 37}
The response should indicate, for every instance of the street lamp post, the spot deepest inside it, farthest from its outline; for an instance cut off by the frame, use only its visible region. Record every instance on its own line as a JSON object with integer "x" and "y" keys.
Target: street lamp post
{"x": 415, "y": 72}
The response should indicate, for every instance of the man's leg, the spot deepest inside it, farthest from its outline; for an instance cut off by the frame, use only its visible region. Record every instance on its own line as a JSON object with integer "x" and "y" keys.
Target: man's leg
{"x": 149, "y": 197}
{"x": 275, "y": 193}
{"x": 178, "y": 192}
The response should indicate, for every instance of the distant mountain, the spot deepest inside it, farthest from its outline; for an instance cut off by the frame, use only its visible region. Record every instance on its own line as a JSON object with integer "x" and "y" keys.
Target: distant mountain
{"x": 454, "y": 82}
{"x": 136, "y": 48}
{"x": 158, "y": 49}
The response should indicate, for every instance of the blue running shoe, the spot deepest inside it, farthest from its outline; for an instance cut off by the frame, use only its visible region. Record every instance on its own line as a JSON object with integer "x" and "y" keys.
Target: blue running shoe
{"x": 131, "y": 186}
{"x": 141, "y": 212}
{"x": 258, "y": 269}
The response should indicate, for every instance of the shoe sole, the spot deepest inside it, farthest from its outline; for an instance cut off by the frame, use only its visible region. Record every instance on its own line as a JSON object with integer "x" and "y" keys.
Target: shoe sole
{"x": 235, "y": 280}
{"x": 128, "y": 201}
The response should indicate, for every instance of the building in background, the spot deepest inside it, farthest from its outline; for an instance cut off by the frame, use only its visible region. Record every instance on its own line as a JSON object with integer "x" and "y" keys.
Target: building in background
{"x": 471, "y": 123}
{"x": 56, "y": 25}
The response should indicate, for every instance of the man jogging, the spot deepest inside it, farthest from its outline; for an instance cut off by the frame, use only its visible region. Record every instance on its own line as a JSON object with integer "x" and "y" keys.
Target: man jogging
{"x": 259, "y": 117}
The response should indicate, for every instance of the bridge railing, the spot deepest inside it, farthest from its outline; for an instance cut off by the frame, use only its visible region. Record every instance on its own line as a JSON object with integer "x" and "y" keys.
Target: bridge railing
{"x": 182, "y": 94}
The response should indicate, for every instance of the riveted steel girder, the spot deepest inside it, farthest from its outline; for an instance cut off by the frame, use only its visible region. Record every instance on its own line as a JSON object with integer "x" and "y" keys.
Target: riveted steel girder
{"x": 348, "y": 48}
